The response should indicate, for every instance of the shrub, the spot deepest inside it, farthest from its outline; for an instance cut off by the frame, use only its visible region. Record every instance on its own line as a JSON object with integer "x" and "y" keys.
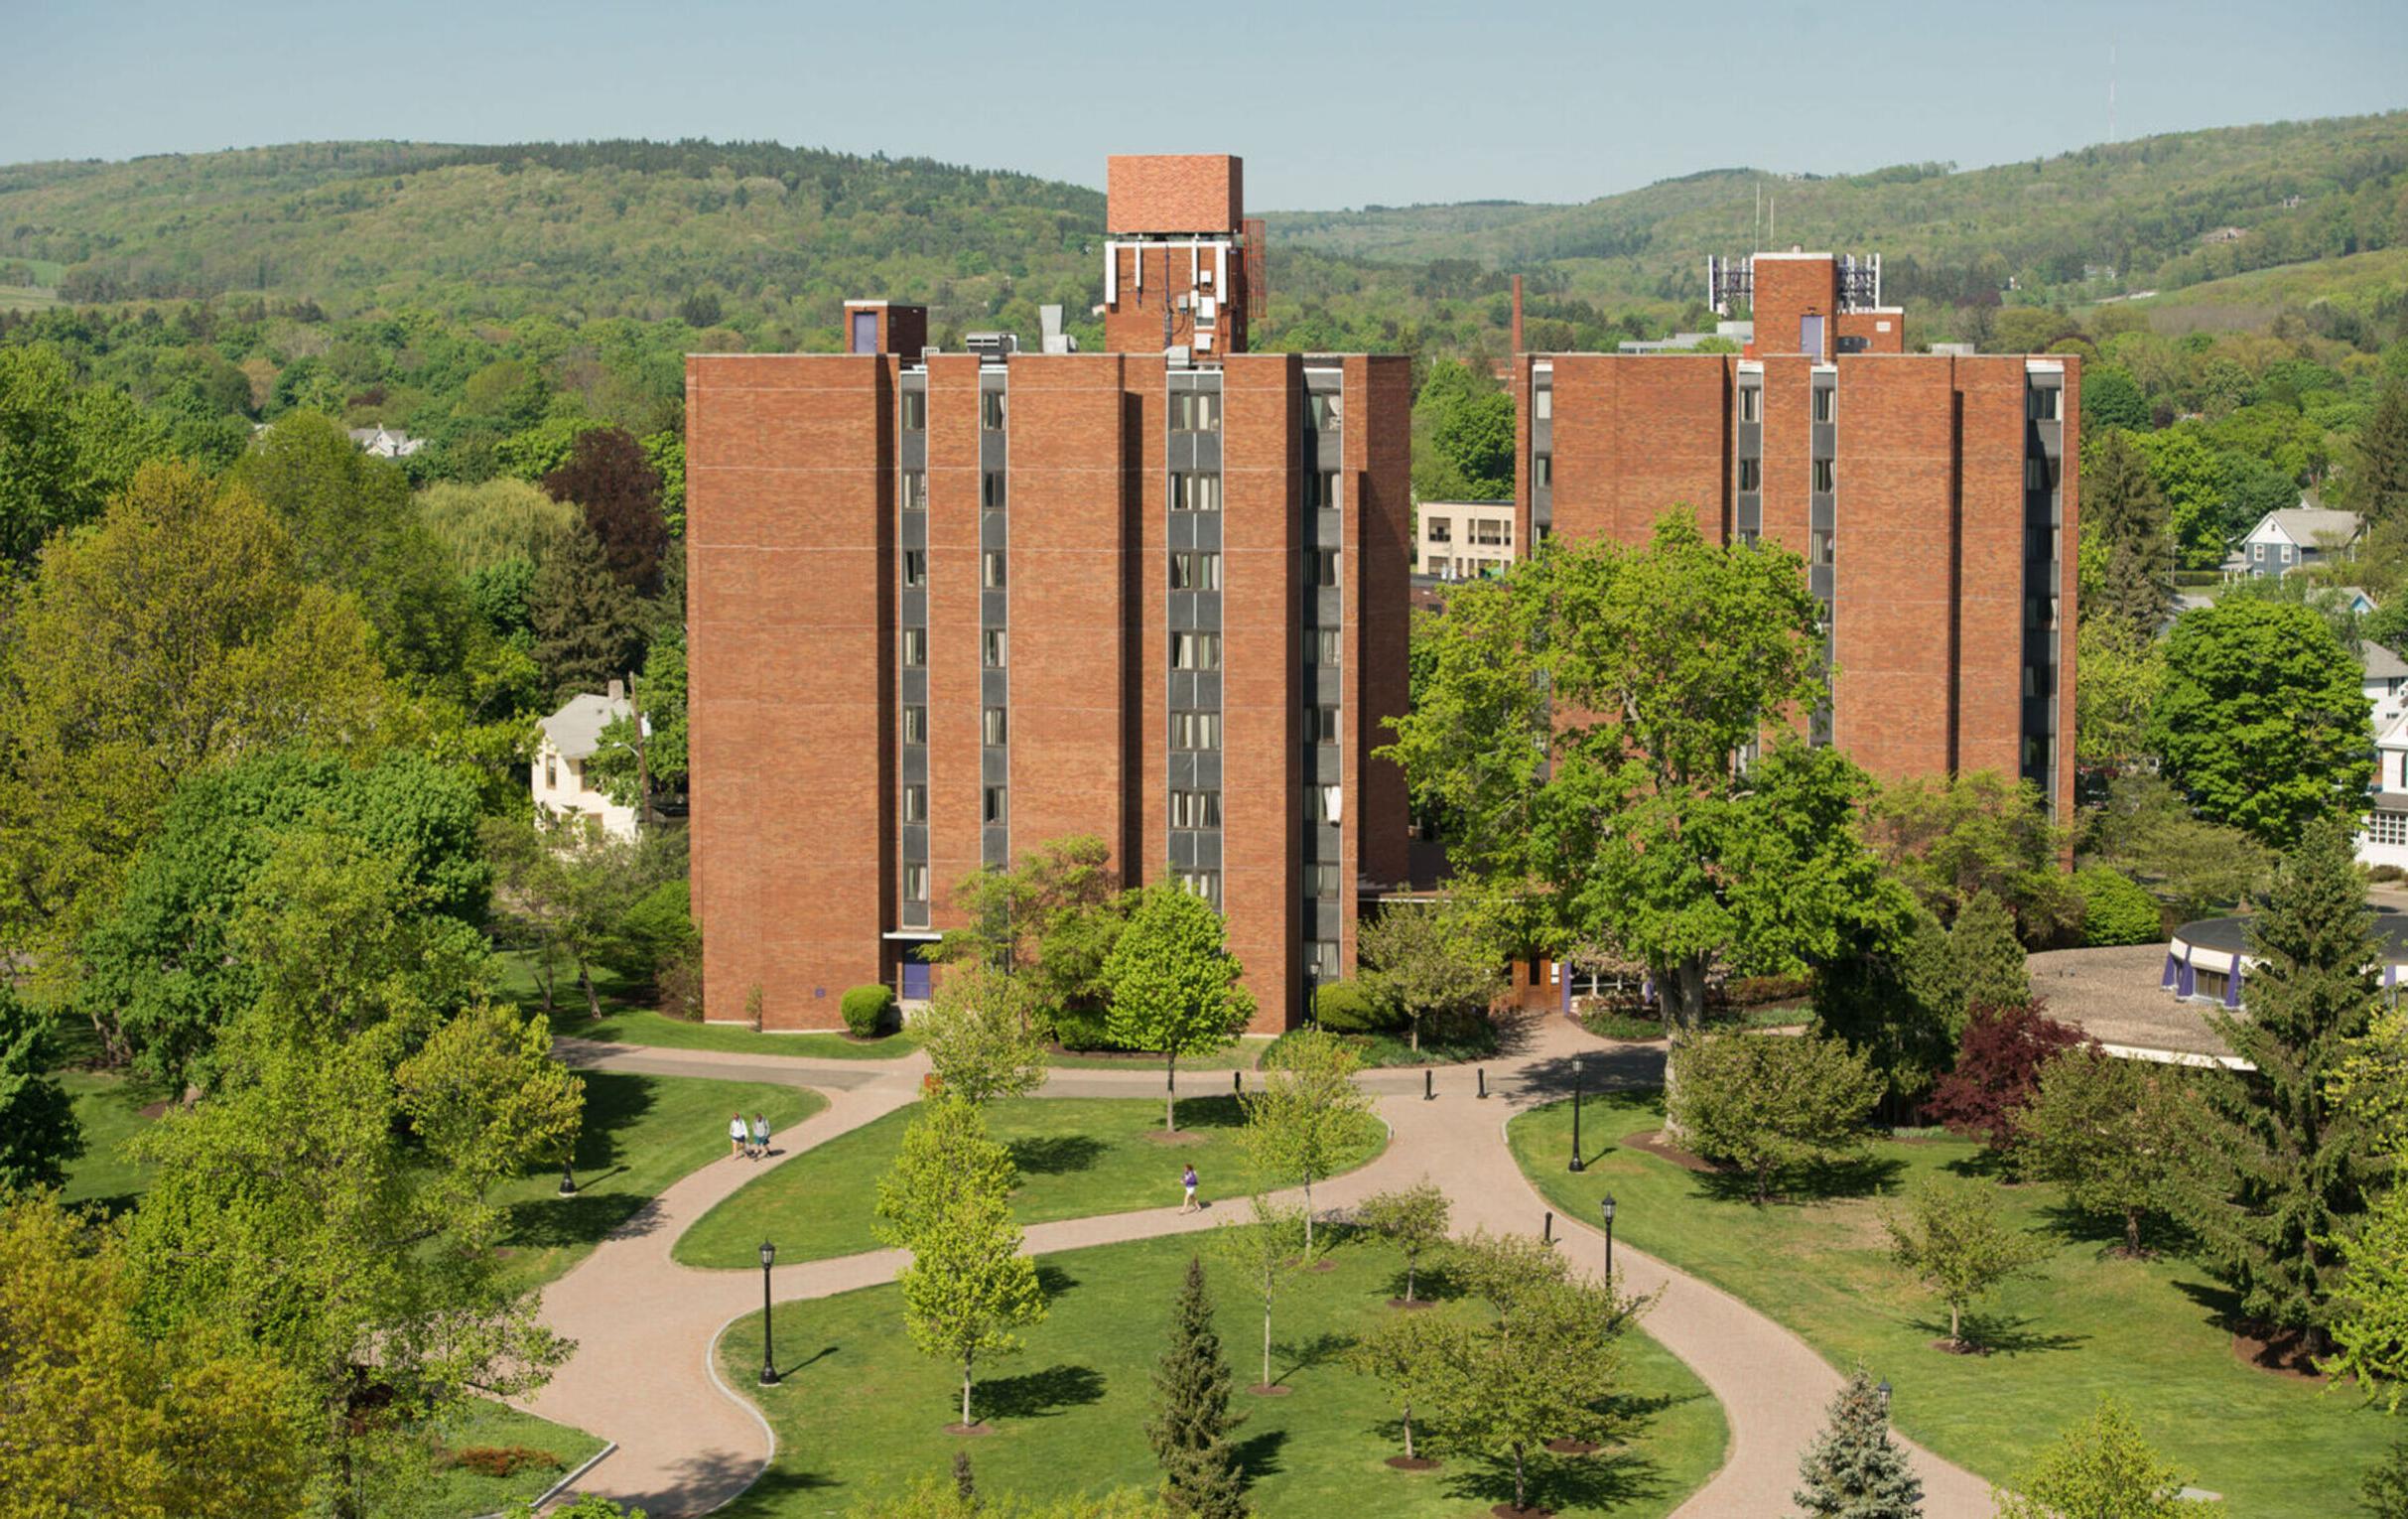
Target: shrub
{"x": 653, "y": 931}
{"x": 1998, "y": 1065}
{"x": 2386, "y": 872}
{"x": 868, "y": 1010}
{"x": 1341, "y": 1007}
{"x": 505, "y": 1461}
{"x": 1770, "y": 1103}
{"x": 2115, "y": 909}
{"x": 1613, "y": 1023}
{"x": 678, "y": 985}
{"x": 1081, "y": 1027}
{"x": 1756, "y": 990}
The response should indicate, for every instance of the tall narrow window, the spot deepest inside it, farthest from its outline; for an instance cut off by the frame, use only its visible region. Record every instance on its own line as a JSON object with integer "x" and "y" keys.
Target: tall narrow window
{"x": 1195, "y": 572}
{"x": 2042, "y": 407}
{"x": 991, "y": 568}
{"x": 915, "y": 568}
{"x": 1821, "y": 543}
{"x": 1195, "y": 411}
{"x": 1822, "y": 402}
{"x": 1321, "y": 490}
{"x": 997, "y": 728}
{"x": 1322, "y": 880}
{"x": 915, "y": 491}
{"x": 1325, "y": 567}
{"x": 915, "y": 724}
{"x": 1321, "y": 646}
{"x": 1751, "y": 475}
{"x": 915, "y": 804}
{"x": 992, "y": 805}
{"x": 997, "y": 651}
{"x": 991, "y": 410}
{"x": 1195, "y": 492}
{"x": 1195, "y": 652}
{"x": 1542, "y": 402}
{"x": 1823, "y": 474}
{"x": 915, "y": 882}
{"x": 1320, "y": 725}
{"x": 1328, "y": 412}
{"x": 1751, "y": 403}
{"x": 915, "y": 411}
{"x": 990, "y": 490}
{"x": 915, "y": 649}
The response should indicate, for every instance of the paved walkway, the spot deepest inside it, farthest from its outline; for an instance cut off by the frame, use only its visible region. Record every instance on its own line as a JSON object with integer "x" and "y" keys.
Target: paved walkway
{"x": 647, "y": 1329}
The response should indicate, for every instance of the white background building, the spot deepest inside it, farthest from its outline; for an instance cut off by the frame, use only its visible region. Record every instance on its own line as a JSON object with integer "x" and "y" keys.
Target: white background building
{"x": 569, "y": 739}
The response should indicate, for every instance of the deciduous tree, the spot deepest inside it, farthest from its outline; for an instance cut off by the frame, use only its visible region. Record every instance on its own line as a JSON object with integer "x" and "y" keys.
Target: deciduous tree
{"x": 38, "y": 1134}
{"x": 979, "y": 1038}
{"x": 1267, "y": 1250}
{"x": 2100, "y": 1468}
{"x": 1581, "y": 720}
{"x": 2263, "y": 722}
{"x": 65, "y": 450}
{"x": 608, "y": 475}
{"x": 1949, "y": 1236}
{"x": 2006, "y": 1047}
{"x": 1956, "y": 839}
{"x": 1306, "y": 1113}
{"x": 1428, "y": 961}
{"x": 2117, "y": 1135}
{"x": 1416, "y": 1357}
{"x": 1770, "y": 1103}
{"x": 1413, "y": 1219}
{"x": 1174, "y": 985}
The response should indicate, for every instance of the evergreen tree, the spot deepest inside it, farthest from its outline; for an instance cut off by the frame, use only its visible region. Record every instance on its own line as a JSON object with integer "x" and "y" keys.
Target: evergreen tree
{"x": 1987, "y": 957}
{"x": 2380, "y": 483}
{"x": 2123, "y": 507}
{"x": 38, "y": 1134}
{"x": 1854, "y": 1470}
{"x": 2288, "y": 1168}
{"x": 1190, "y": 1429}
{"x": 587, "y": 627}
{"x": 2384, "y": 1489}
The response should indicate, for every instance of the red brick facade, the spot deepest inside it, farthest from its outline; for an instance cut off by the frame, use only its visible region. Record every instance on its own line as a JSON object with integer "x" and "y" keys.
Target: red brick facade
{"x": 794, "y": 544}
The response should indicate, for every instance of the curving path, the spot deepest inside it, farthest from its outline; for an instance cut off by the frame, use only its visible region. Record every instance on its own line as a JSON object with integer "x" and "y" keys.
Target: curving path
{"x": 646, "y": 1327}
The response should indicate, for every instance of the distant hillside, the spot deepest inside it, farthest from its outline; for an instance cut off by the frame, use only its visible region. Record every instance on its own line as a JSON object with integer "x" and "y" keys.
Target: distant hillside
{"x": 2143, "y": 208}
{"x": 765, "y": 240}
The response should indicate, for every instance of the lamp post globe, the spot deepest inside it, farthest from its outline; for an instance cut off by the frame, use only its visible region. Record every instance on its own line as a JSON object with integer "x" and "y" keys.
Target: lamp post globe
{"x": 768, "y": 1358}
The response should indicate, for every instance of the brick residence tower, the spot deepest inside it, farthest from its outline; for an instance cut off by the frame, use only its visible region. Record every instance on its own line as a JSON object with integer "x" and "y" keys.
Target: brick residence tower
{"x": 1933, "y": 495}
{"x": 948, "y": 605}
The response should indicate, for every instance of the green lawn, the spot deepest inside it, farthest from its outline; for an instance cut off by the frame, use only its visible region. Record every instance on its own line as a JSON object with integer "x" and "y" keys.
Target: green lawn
{"x": 640, "y": 1134}
{"x": 1078, "y": 1156}
{"x": 457, "y": 1491}
{"x": 2090, "y": 1325}
{"x": 625, "y": 1022}
{"x": 1245, "y": 1054}
{"x": 108, "y": 1107}
{"x": 860, "y": 1413}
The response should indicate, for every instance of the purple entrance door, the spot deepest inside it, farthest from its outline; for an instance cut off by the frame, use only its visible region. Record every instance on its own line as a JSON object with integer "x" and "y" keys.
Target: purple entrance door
{"x": 865, "y": 331}
{"x": 916, "y": 981}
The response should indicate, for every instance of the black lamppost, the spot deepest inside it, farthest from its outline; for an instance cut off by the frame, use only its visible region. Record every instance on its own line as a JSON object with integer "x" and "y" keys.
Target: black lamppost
{"x": 1580, "y": 1067}
{"x": 567, "y": 1177}
{"x": 769, "y": 1363}
{"x": 1884, "y": 1390}
{"x": 1608, "y": 1205}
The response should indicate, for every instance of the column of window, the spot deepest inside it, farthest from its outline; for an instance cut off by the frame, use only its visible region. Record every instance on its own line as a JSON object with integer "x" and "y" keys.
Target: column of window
{"x": 2044, "y": 530}
{"x": 1822, "y": 527}
{"x": 911, "y": 674}
{"x": 1193, "y": 656}
{"x": 1542, "y": 453}
{"x": 994, "y": 623}
{"x": 1324, "y": 717}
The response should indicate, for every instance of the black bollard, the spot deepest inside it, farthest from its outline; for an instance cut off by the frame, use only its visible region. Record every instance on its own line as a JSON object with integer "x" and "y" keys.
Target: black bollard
{"x": 1546, "y": 1229}
{"x": 1427, "y": 1092}
{"x": 1237, "y": 1083}
{"x": 1482, "y": 1073}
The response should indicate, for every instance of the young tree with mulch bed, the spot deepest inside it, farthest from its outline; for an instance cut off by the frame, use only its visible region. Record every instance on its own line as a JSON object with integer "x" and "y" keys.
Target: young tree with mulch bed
{"x": 1269, "y": 1250}
{"x": 1428, "y": 961}
{"x": 1190, "y": 1429}
{"x": 2120, "y": 1135}
{"x": 1300, "y": 1123}
{"x": 2099, "y": 1466}
{"x": 1418, "y": 1358}
{"x": 1768, "y": 1103}
{"x": 1854, "y": 1469}
{"x": 948, "y": 1200}
{"x": 1541, "y": 1371}
{"x": 1174, "y": 985}
{"x": 2288, "y": 1168}
{"x": 1413, "y": 1218}
{"x": 981, "y": 1038}
{"x": 1949, "y": 1236}
{"x": 2005, "y": 1047}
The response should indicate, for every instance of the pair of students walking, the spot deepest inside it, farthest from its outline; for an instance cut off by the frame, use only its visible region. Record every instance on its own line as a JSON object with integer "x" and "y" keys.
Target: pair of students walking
{"x": 747, "y": 1143}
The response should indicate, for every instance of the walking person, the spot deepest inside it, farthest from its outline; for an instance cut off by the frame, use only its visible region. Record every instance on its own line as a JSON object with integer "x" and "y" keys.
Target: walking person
{"x": 760, "y": 1136}
{"x": 1187, "y": 1179}
{"x": 738, "y": 1138}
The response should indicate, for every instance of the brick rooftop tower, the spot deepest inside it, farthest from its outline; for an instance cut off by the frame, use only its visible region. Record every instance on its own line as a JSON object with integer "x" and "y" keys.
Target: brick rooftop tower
{"x": 1182, "y": 266}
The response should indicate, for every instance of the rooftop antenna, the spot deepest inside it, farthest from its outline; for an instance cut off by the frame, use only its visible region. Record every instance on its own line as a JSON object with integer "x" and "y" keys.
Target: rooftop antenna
{"x": 1756, "y": 223}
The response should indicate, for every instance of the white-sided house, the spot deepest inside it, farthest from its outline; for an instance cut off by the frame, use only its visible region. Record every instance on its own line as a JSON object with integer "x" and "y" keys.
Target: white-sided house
{"x": 2383, "y": 676}
{"x": 2284, "y": 540}
{"x": 570, "y": 738}
{"x": 2383, "y": 833}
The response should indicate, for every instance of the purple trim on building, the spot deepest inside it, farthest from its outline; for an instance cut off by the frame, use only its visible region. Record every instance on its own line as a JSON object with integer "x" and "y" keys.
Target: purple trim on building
{"x": 2166, "y": 981}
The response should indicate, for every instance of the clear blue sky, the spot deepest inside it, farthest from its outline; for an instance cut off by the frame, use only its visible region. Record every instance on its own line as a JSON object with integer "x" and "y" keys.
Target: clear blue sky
{"x": 1331, "y": 104}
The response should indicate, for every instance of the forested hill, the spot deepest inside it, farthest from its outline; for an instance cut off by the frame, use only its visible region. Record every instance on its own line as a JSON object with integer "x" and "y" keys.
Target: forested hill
{"x": 768, "y": 239}
{"x": 2152, "y": 210}
{"x": 594, "y": 229}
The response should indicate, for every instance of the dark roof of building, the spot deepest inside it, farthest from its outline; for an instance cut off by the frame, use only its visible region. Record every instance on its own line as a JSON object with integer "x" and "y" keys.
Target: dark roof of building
{"x": 2230, "y": 936}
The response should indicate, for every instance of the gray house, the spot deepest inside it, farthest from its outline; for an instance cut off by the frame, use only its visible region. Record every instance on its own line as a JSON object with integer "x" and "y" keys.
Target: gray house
{"x": 2284, "y": 540}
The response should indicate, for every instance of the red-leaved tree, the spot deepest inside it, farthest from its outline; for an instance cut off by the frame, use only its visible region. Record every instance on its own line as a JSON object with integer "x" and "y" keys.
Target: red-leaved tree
{"x": 1998, "y": 1065}
{"x": 608, "y": 476}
